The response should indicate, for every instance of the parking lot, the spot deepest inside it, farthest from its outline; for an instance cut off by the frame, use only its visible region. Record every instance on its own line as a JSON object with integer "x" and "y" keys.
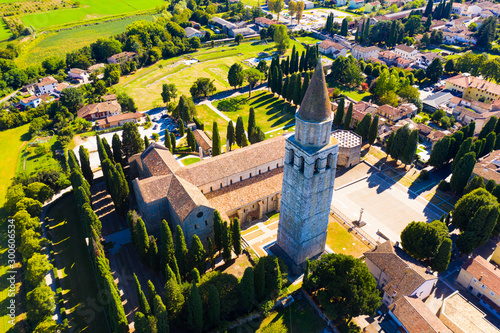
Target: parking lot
{"x": 388, "y": 206}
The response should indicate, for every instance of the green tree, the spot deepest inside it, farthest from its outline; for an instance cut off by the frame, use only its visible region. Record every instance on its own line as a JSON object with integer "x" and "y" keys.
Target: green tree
{"x": 257, "y": 135}
{"x": 489, "y": 144}
{"x": 168, "y": 142}
{"x": 117, "y": 151}
{"x": 462, "y": 172}
{"x": 202, "y": 87}
{"x": 195, "y": 309}
{"x": 161, "y": 314}
{"x": 146, "y": 142}
{"x": 182, "y": 128}
{"x": 373, "y": 130}
{"x": 389, "y": 143}
{"x": 231, "y": 135}
{"x": 37, "y": 268}
{"x": 476, "y": 182}
{"x": 428, "y": 8}
{"x": 488, "y": 127}
{"x": 191, "y": 140}
{"x": 72, "y": 161}
{"x": 235, "y": 76}
{"x": 142, "y": 239}
{"x": 344, "y": 286}
{"x": 181, "y": 252}
{"x": 449, "y": 66}
{"x": 348, "y": 117}
{"x": 213, "y": 306}
{"x": 195, "y": 275}
{"x": 465, "y": 147}
{"x": 168, "y": 93}
{"x": 167, "y": 251}
{"x": 173, "y": 141}
{"x": 216, "y": 144}
{"x": 246, "y": 290}
{"x": 339, "y": 114}
{"x": 197, "y": 254}
{"x": 253, "y": 76}
{"x": 175, "y": 299}
{"x": 439, "y": 152}
{"x": 421, "y": 240}
{"x": 143, "y": 302}
{"x": 343, "y": 29}
{"x": 251, "y": 121}
{"x": 260, "y": 281}
{"x": 236, "y": 236}
{"x": 240, "y": 131}
{"x": 281, "y": 36}
{"x": 434, "y": 71}
{"x": 141, "y": 323}
{"x": 40, "y": 304}
{"x": 363, "y": 126}
{"x": 217, "y": 226}
{"x": 226, "y": 242}
{"x": 399, "y": 143}
{"x": 410, "y": 148}
{"x": 71, "y": 98}
{"x": 131, "y": 140}
{"x": 442, "y": 258}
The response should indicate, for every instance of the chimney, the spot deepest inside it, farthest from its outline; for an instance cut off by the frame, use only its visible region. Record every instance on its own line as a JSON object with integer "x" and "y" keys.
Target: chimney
{"x": 480, "y": 278}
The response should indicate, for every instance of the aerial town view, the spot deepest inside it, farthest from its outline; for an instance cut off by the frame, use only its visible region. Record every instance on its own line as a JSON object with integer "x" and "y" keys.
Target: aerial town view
{"x": 274, "y": 166}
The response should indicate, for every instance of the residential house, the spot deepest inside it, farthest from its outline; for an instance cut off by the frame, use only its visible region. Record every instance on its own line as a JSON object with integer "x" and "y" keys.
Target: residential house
{"x": 465, "y": 116}
{"x": 46, "y": 86}
{"x": 482, "y": 279}
{"x": 435, "y": 136}
{"x": 462, "y": 316}
{"x": 119, "y": 120}
{"x": 121, "y": 57}
{"x": 488, "y": 167}
{"x": 30, "y": 102}
{"x": 361, "y": 52}
{"x": 195, "y": 25}
{"x": 393, "y": 114}
{"x": 458, "y": 8}
{"x": 60, "y": 87}
{"x": 308, "y": 4}
{"x": 406, "y": 52}
{"x": 355, "y": 4}
{"x": 473, "y": 10}
{"x": 29, "y": 88}
{"x": 79, "y": 74}
{"x": 473, "y": 88}
{"x": 403, "y": 63}
{"x": 437, "y": 101}
{"x": 423, "y": 130}
{"x": 330, "y": 47}
{"x": 203, "y": 142}
{"x": 109, "y": 98}
{"x": 264, "y": 22}
{"x": 244, "y": 31}
{"x": 423, "y": 60}
{"x": 223, "y": 24}
{"x": 366, "y": 107}
{"x": 192, "y": 32}
{"x": 96, "y": 68}
{"x": 372, "y": 7}
{"x": 100, "y": 110}
{"x": 397, "y": 274}
{"x": 413, "y": 316}
{"x": 388, "y": 57}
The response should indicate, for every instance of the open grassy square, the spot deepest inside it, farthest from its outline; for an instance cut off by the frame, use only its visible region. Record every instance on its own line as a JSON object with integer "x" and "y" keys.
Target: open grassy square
{"x": 207, "y": 116}
{"x": 341, "y": 241}
{"x": 271, "y": 112}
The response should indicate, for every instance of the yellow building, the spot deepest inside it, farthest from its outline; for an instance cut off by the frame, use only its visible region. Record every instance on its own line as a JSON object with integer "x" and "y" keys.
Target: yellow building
{"x": 496, "y": 255}
{"x": 473, "y": 88}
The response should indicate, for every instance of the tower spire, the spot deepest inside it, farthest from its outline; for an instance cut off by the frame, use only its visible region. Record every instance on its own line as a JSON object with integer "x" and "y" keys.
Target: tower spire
{"x": 315, "y": 106}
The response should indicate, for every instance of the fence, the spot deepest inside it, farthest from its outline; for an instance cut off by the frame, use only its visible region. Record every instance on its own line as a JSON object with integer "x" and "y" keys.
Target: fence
{"x": 318, "y": 311}
{"x": 358, "y": 232}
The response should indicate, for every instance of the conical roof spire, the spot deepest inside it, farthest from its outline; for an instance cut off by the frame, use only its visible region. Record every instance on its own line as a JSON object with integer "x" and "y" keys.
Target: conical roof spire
{"x": 315, "y": 105}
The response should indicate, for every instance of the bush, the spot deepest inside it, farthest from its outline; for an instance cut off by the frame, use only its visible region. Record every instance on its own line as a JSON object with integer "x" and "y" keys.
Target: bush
{"x": 266, "y": 307}
{"x": 232, "y": 104}
{"x": 444, "y": 186}
{"x": 424, "y": 175}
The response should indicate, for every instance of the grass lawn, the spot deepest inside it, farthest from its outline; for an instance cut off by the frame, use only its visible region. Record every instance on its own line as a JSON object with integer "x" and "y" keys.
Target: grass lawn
{"x": 273, "y": 217}
{"x": 271, "y": 112}
{"x": 58, "y": 43}
{"x": 298, "y": 317}
{"x": 308, "y": 40}
{"x": 190, "y": 160}
{"x": 145, "y": 85}
{"x": 207, "y": 116}
{"x": 28, "y": 162}
{"x": 341, "y": 241}
{"x": 253, "y": 3}
{"x": 11, "y": 142}
{"x": 4, "y": 31}
{"x": 355, "y": 94}
{"x": 89, "y": 9}
{"x": 78, "y": 282}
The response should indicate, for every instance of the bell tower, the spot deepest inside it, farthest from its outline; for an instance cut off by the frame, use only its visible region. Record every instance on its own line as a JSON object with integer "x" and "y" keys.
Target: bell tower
{"x": 309, "y": 174}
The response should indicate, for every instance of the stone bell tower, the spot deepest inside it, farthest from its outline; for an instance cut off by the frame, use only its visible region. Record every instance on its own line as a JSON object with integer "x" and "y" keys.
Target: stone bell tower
{"x": 309, "y": 173}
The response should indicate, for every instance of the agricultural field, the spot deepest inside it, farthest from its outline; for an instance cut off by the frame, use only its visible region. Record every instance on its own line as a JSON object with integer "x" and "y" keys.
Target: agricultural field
{"x": 213, "y": 63}
{"x": 89, "y": 9}
{"x": 59, "y": 43}
{"x": 11, "y": 142}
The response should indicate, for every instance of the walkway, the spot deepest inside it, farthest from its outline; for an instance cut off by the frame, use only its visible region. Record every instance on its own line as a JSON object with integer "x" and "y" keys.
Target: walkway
{"x": 6, "y": 98}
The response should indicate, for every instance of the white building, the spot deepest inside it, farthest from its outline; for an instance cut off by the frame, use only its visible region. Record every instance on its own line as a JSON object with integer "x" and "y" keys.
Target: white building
{"x": 46, "y": 86}
{"x": 79, "y": 74}
{"x": 360, "y": 52}
{"x": 406, "y": 52}
{"x": 330, "y": 47}
{"x": 192, "y": 32}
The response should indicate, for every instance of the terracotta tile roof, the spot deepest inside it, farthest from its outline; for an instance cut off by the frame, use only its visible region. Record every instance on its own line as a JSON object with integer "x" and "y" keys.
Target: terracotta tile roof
{"x": 202, "y": 139}
{"x": 405, "y": 274}
{"x": 111, "y": 106}
{"x": 242, "y": 193}
{"x": 218, "y": 167}
{"x": 465, "y": 81}
{"x": 416, "y": 317}
{"x": 61, "y": 86}
{"x": 123, "y": 55}
{"x": 487, "y": 167}
{"x": 389, "y": 55}
{"x": 29, "y": 99}
{"x": 326, "y": 44}
{"x": 77, "y": 71}
{"x": 402, "y": 61}
{"x": 159, "y": 161}
{"x": 424, "y": 128}
{"x": 46, "y": 81}
{"x": 484, "y": 271}
{"x": 388, "y": 109}
{"x": 110, "y": 97}
{"x": 374, "y": 60}
{"x": 436, "y": 135}
{"x": 119, "y": 117}
{"x": 264, "y": 20}
{"x": 366, "y": 49}
{"x": 405, "y": 48}
{"x": 154, "y": 188}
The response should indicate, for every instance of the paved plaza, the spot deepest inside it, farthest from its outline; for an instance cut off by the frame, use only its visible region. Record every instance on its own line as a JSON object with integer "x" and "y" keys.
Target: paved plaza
{"x": 388, "y": 206}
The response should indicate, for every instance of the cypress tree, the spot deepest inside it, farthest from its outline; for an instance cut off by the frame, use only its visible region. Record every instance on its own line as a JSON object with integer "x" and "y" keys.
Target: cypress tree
{"x": 161, "y": 316}
{"x": 146, "y": 142}
{"x": 279, "y": 82}
{"x": 489, "y": 144}
{"x": 72, "y": 161}
{"x": 270, "y": 77}
{"x": 240, "y": 130}
{"x": 474, "y": 183}
{"x": 211, "y": 253}
{"x": 260, "y": 281}
{"x": 143, "y": 302}
{"x": 141, "y": 323}
{"x": 297, "y": 90}
{"x": 373, "y": 130}
{"x": 181, "y": 252}
{"x": 285, "y": 85}
{"x": 197, "y": 254}
{"x": 175, "y": 269}
{"x": 226, "y": 242}
{"x": 173, "y": 142}
{"x": 306, "y": 272}
{"x": 302, "y": 65}
{"x": 153, "y": 253}
{"x": 366, "y": 32}
{"x": 191, "y": 140}
{"x": 339, "y": 114}
{"x": 292, "y": 61}
{"x": 247, "y": 290}
{"x": 291, "y": 88}
{"x": 167, "y": 252}
{"x": 364, "y": 125}
{"x": 488, "y": 128}
{"x": 217, "y": 230}
{"x": 231, "y": 135}
{"x": 195, "y": 309}
{"x": 174, "y": 299}
{"x": 343, "y": 29}
{"x": 151, "y": 295}
{"x": 442, "y": 259}
{"x": 490, "y": 185}
{"x": 251, "y": 122}
{"x": 356, "y": 35}
{"x": 142, "y": 239}
{"x": 462, "y": 172}
{"x": 305, "y": 85}
{"x": 195, "y": 275}
{"x": 348, "y": 117}
{"x": 428, "y": 8}
{"x": 216, "y": 145}
{"x": 213, "y": 306}
{"x": 389, "y": 142}
{"x": 100, "y": 149}
{"x": 465, "y": 147}
{"x": 410, "y": 148}
{"x": 182, "y": 128}
{"x": 85, "y": 161}
{"x": 236, "y": 236}
{"x": 274, "y": 87}
{"x": 117, "y": 149}
{"x": 107, "y": 148}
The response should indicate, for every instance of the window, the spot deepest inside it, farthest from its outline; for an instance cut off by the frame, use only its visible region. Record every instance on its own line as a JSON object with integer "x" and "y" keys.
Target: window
{"x": 277, "y": 165}
{"x": 268, "y": 168}
{"x": 250, "y": 175}
{"x": 492, "y": 293}
{"x": 231, "y": 182}
{"x": 483, "y": 286}
{"x": 211, "y": 189}
{"x": 241, "y": 178}
{"x": 260, "y": 173}
{"x": 474, "y": 280}
{"x": 206, "y": 222}
{"x": 471, "y": 288}
{"x": 220, "y": 185}
{"x": 200, "y": 214}
{"x": 195, "y": 227}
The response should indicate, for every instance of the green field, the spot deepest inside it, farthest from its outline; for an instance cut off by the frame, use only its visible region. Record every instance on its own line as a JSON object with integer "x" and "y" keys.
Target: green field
{"x": 355, "y": 94}
{"x": 339, "y": 240}
{"x": 308, "y": 40}
{"x": 29, "y": 162}
{"x": 207, "y": 116}
{"x": 271, "y": 112}
{"x": 59, "y": 43}
{"x": 11, "y": 142}
{"x": 145, "y": 85}
{"x": 190, "y": 160}
{"x": 89, "y": 9}
{"x": 4, "y": 31}
{"x": 78, "y": 283}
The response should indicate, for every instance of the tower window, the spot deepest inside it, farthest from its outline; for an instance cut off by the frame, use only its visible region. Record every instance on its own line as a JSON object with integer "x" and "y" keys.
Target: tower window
{"x": 195, "y": 227}
{"x": 241, "y": 178}
{"x": 200, "y": 214}
{"x": 211, "y": 189}
{"x": 231, "y": 181}
{"x": 268, "y": 168}
{"x": 206, "y": 222}
{"x": 220, "y": 185}
{"x": 260, "y": 172}
{"x": 250, "y": 175}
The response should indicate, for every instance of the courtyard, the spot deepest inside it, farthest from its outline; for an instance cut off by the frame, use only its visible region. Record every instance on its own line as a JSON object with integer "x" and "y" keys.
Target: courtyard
{"x": 388, "y": 206}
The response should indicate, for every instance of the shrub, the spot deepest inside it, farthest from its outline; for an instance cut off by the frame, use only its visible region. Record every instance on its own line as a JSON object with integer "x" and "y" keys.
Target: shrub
{"x": 424, "y": 175}
{"x": 444, "y": 186}
{"x": 232, "y": 104}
